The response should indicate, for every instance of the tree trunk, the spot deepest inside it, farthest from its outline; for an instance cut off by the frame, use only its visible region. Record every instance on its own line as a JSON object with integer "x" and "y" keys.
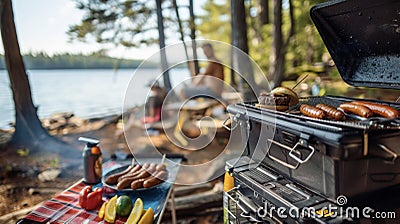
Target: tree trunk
{"x": 256, "y": 30}
{"x": 28, "y": 128}
{"x": 178, "y": 17}
{"x": 161, "y": 40}
{"x": 193, "y": 37}
{"x": 292, "y": 25}
{"x": 263, "y": 12}
{"x": 241, "y": 62}
{"x": 278, "y": 49}
{"x": 277, "y": 58}
{"x": 29, "y": 132}
{"x": 310, "y": 42}
{"x": 239, "y": 25}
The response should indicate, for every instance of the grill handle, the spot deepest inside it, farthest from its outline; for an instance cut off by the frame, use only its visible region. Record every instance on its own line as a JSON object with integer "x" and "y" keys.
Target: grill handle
{"x": 390, "y": 152}
{"x": 234, "y": 122}
{"x": 288, "y": 165}
{"x": 298, "y": 144}
{"x": 292, "y": 153}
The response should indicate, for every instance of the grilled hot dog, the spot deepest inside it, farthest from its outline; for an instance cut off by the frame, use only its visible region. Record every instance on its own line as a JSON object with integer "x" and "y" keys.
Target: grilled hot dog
{"x": 142, "y": 174}
{"x": 161, "y": 167}
{"x": 147, "y": 172}
{"x": 331, "y": 112}
{"x": 379, "y": 109}
{"x": 356, "y": 109}
{"x": 137, "y": 184}
{"x": 311, "y": 111}
{"x": 155, "y": 180}
{"x": 113, "y": 179}
{"x": 125, "y": 182}
{"x": 136, "y": 173}
{"x": 153, "y": 173}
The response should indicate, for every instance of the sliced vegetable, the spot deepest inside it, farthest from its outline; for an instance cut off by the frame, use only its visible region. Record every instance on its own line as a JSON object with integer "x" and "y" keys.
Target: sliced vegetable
{"x": 144, "y": 211}
{"x": 110, "y": 210}
{"x": 148, "y": 217}
{"x": 136, "y": 212}
{"x": 102, "y": 209}
{"x": 83, "y": 196}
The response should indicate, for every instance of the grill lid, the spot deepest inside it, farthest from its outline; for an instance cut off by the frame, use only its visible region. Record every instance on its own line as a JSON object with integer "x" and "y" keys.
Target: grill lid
{"x": 362, "y": 37}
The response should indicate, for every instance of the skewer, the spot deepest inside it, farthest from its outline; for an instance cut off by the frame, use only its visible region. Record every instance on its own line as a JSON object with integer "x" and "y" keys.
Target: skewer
{"x": 398, "y": 99}
{"x": 163, "y": 159}
{"x": 302, "y": 79}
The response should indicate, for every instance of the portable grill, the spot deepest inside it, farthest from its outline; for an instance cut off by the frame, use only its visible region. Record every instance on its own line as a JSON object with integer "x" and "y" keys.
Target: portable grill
{"x": 295, "y": 161}
{"x": 331, "y": 157}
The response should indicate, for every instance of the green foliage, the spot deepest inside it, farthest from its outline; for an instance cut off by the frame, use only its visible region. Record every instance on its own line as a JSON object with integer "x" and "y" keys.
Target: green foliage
{"x": 306, "y": 47}
{"x": 23, "y": 152}
{"x": 215, "y": 24}
{"x": 303, "y": 50}
{"x": 115, "y": 21}
{"x": 335, "y": 76}
{"x": 75, "y": 61}
{"x": 55, "y": 162}
{"x": 130, "y": 23}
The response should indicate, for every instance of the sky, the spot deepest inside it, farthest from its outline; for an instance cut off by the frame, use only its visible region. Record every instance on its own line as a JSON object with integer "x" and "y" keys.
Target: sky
{"x": 42, "y": 25}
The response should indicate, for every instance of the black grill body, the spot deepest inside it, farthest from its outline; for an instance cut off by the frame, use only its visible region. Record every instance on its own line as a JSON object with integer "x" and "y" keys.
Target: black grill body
{"x": 296, "y": 161}
{"x": 332, "y": 159}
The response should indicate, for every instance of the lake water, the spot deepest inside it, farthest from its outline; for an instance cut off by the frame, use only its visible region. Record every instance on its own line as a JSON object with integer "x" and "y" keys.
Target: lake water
{"x": 86, "y": 93}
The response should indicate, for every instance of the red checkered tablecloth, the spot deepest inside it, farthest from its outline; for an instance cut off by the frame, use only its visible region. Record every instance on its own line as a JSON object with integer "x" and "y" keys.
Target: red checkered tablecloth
{"x": 64, "y": 208}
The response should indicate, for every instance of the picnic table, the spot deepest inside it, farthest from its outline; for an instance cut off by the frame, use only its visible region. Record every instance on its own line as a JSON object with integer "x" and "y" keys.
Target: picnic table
{"x": 64, "y": 207}
{"x": 200, "y": 106}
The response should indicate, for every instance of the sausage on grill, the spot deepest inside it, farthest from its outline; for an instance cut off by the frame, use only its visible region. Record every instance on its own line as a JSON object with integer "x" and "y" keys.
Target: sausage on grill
{"x": 311, "y": 111}
{"x": 331, "y": 112}
{"x": 379, "y": 109}
{"x": 356, "y": 109}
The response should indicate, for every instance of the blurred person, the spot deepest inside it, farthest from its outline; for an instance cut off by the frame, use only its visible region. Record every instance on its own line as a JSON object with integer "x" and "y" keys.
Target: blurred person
{"x": 205, "y": 83}
{"x": 318, "y": 88}
{"x": 153, "y": 103}
{"x": 152, "y": 107}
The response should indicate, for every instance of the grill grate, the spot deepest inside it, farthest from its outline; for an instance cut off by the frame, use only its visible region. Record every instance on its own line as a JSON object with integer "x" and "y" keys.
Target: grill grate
{"x": 294, "y": 115}
{"x": 258, "y": 176}
{"x": 313, "y": 101}
{"x": 288, "y": 194}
